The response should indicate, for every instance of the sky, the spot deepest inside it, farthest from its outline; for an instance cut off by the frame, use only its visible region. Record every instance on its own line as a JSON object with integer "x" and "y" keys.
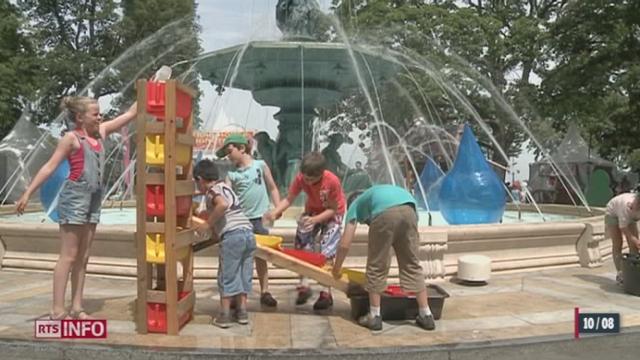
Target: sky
{"x": 229, "y": 23}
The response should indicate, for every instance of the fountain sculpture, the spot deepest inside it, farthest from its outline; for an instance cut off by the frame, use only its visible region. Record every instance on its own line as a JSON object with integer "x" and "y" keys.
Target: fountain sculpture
{"x": 299, "y": 75}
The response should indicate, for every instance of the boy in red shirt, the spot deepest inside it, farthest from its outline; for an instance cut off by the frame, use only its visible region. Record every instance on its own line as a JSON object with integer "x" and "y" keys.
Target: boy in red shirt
{"x": 323, "y": 214}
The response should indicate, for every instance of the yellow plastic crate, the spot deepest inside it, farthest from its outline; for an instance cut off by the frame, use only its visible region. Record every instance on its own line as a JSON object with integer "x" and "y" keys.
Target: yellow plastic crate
{"x": 355, "y": 276}
{"x": 155, "y": 249}
{"x": 154, "y": 145}
{"x": 273, "y": 242}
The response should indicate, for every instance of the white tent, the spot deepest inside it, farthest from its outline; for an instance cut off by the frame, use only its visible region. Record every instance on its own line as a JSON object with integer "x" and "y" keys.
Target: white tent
{"x": 576, "y": 160}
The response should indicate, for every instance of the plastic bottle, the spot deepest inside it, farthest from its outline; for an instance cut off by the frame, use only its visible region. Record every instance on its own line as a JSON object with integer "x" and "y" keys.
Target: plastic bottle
{"x": 163, "y": 74}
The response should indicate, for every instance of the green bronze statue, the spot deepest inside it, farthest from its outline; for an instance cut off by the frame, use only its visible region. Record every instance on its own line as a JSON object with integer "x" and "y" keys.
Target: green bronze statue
{"x": 299, "y": 19}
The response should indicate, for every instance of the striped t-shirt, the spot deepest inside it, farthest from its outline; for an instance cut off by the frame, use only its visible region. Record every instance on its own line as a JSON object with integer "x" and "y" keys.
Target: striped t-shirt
{"x": 234, "y": 217}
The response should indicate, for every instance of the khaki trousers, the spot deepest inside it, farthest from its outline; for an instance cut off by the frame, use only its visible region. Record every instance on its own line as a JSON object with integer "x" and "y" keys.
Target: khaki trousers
{"x": 396, "y": 227}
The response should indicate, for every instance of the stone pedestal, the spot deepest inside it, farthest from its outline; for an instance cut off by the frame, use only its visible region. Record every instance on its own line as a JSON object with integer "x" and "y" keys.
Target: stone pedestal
{"x": 433, "y": 245}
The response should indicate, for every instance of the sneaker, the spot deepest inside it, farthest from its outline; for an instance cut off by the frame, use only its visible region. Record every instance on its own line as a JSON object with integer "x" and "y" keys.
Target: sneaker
{"x": 619, "y": 278}
{"x": 304, "y": 293}
{"x": 267, "y": 300}
{"x": 426, "y": 322}
{"x": 373, "y": 323}
{"x": 242, "y": 316}
{"x": 223, "y": 320}
{"x": 324, "y": 301}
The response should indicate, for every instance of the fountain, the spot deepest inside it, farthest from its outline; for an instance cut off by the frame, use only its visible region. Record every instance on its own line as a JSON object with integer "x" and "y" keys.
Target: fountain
{"x": 298, "y": 75}
{"x": 301, "y": 75}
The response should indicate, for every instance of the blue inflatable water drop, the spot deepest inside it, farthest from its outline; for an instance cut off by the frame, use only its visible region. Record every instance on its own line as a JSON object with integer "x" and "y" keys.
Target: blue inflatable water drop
{"x": 51, "y": 188}
{"x": 431, "y": 173}
{"x": 471, "y": 192}
{"x": 433, "y": 195}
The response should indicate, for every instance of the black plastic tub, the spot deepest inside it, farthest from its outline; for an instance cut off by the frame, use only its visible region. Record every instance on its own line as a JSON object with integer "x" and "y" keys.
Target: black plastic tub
{"x": 397, "y": 307}
{"x": 631, "y": 273}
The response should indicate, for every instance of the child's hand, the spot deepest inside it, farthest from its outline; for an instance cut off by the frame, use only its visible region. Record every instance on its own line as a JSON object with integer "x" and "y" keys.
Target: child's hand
{"x": 336, "y": 271}
{"x": 270, "y": 217}
{"x": 203, "y": 229}
{"x": 22, "y": 204}
{"x": 202, "y": 215}
{"x": 309, "y": 221}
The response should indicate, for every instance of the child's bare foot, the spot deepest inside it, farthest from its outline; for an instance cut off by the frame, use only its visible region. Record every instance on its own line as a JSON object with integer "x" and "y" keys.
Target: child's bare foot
{"x": 60, "y": 316}
{"x": 80, "y": 315}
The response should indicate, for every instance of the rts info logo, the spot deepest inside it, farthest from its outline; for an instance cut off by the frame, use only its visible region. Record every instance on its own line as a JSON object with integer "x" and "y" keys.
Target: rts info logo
{"x": 70, "y": 329}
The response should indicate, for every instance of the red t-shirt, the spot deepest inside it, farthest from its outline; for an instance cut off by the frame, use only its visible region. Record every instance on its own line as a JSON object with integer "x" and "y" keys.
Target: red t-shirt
{"x": 319, "y": 194}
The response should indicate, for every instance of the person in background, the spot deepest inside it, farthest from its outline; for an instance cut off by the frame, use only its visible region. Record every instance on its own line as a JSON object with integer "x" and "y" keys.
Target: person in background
{"x": 620, "y": 220}
{"x": 80, "y": 197}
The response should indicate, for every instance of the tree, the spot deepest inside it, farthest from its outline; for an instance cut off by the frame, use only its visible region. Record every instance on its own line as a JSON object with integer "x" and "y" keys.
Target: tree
{"x": 594, "y": 79}
{"x": 489, "y": 51}
{"x": 89, "y": 43}
{"x": 171, "y": 30}
{"x": 17, "y": 70}
{"x": 75, "y": 41}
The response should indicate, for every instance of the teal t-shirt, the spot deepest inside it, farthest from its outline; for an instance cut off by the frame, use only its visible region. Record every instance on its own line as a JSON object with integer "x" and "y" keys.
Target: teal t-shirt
{"x": 249, "y": 185}
{"x": 375, "y": 200}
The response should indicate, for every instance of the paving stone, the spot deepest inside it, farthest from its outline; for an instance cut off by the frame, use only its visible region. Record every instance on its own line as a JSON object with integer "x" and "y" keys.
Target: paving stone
{"x": 522, "y": 309}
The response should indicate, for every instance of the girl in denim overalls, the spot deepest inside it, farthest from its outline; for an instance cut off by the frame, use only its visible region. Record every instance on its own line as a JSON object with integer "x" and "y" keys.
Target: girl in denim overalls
{"x": 80, "y": 197}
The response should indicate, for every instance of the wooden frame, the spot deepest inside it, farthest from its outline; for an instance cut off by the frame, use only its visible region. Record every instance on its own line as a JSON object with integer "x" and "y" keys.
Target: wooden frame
{"x": 177, "y": 230}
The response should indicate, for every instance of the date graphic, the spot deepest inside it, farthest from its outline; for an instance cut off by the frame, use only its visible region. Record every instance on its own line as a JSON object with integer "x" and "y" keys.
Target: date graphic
{"x": 596, "y": 323}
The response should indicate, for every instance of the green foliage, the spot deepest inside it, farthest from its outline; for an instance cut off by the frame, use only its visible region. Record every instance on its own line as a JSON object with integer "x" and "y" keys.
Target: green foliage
{"x": 97, "y": 45}
{"x": 595, "y": 77}
{"x": 17, "y": 69}
{"x": 75, "y": 40}
{"x": 170, "y": 30}
{"x": 634, "y": 160}
{"x": 487, "y": 51}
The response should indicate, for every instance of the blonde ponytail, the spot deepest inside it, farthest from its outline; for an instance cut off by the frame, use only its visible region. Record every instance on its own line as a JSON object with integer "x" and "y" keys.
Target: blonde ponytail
{"x": 73, "y": 106}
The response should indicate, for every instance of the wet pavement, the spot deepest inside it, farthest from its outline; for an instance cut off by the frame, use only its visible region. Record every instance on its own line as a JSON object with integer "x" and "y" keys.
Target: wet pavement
{"x": 519, "y": 308}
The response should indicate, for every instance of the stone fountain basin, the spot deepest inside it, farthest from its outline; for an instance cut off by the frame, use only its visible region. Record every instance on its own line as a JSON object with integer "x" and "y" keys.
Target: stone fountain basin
{"x": 511, "y": 247}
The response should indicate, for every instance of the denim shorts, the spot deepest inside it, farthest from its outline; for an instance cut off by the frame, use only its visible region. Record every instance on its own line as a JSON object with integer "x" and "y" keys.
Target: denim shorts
{"x": 79, "y": 204}
{"x": 235, "y": 269}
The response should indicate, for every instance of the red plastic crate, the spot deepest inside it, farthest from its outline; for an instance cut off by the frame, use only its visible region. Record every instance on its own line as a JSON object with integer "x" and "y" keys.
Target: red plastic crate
{"x": 312, "y": 258}
{"x": 156, "y": 101}
{"x": 155, "y": 202}
{"x": 157, "y": 316}
{"x": 396, "y": 291}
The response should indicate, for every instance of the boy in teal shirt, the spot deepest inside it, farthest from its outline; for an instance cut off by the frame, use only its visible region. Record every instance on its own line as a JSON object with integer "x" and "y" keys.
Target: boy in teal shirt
{"x": 390, "y": 212}
{"x": 252, "y": 182}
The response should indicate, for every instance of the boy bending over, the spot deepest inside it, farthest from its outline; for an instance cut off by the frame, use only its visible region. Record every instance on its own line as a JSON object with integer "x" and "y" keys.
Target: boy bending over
{"x": 390, "y": 212}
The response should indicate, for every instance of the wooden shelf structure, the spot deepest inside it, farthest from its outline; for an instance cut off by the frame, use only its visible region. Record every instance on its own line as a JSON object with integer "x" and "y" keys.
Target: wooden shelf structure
{"x": 166, "y": 298}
